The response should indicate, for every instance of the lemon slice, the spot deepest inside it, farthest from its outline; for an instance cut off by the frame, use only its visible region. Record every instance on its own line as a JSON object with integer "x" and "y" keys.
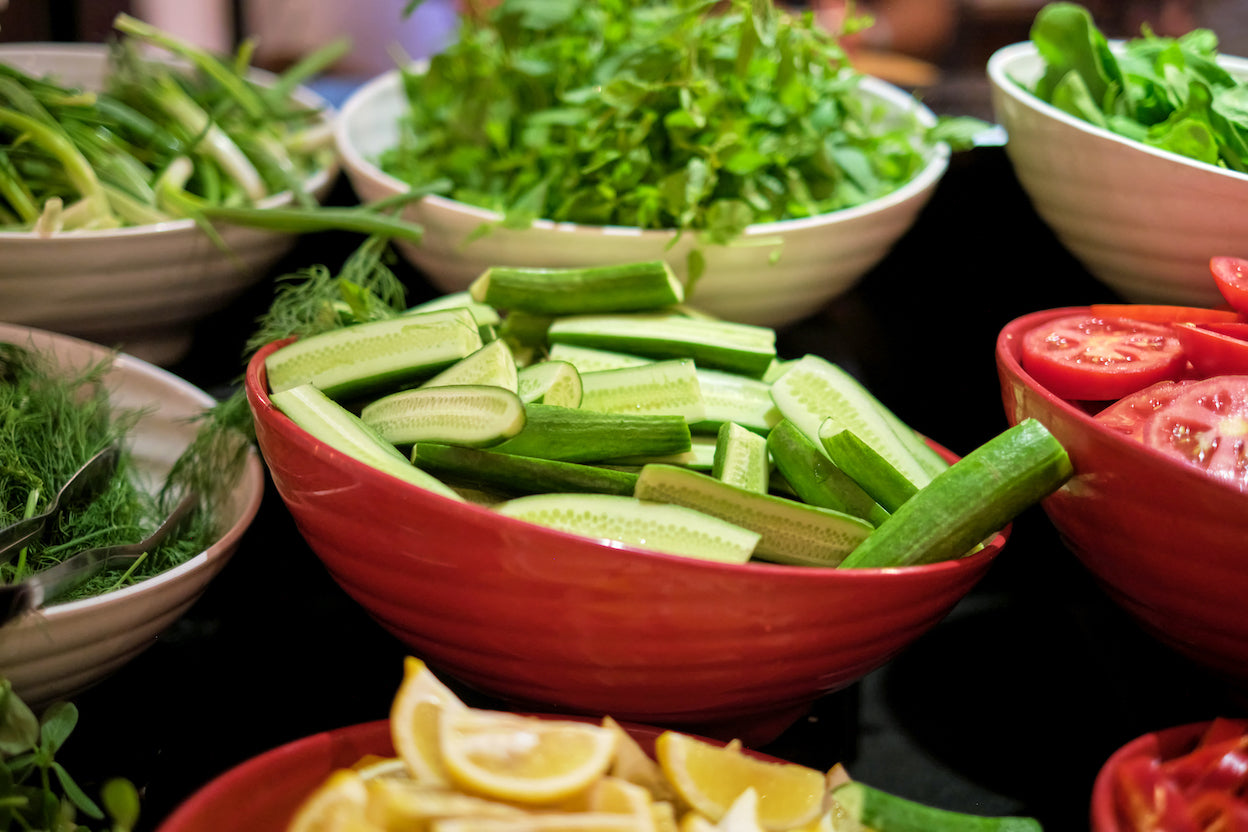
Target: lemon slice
{"x": 634, "y": 765}
{"x": 522, "y": 759}
{"x": 742, "y": 815}
{"x": 710, "y": 778}
{"x": 414, "y": 713}
{"x": 542, "y": 822}
{"x": 406, "y": 804}
{"x": 338, "y": 805}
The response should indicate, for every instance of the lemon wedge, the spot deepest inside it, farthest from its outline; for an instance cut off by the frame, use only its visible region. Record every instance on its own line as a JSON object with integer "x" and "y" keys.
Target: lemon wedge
{"x": 339, "y": 804}
{"x": 414, "y": 715}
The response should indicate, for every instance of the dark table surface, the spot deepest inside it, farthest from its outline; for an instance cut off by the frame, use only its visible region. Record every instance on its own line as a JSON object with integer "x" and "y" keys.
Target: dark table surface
{"x": 1010, "y": 705}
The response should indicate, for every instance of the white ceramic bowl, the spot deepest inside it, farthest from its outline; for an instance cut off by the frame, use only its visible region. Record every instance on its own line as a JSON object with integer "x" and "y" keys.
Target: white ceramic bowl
{"x": 140, "y": 288}
{"x": 820, "y": 257}
{"x": 65, "y": 648}
{"x": 1143, "y": 221}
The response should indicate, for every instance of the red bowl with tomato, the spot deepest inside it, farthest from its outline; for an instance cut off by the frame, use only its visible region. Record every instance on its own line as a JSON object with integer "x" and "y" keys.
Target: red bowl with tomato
{"x": 1190, "y": 778}
{"x": 551, "y": 621}
{"x": 1157, "y": 509}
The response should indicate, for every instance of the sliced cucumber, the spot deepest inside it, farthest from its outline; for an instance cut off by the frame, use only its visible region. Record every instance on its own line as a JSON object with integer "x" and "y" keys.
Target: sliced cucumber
{"x": 792, "y": 532}
{"x": 627, "y": 287}
{"x": 731, "y": 397}
{"x": 588, "y": 359}
{"x": 815, "y": 479}
{"x": 664, "y": 528}
{"x": 667, "y": 387}
{"x": 741, "y": 458}
{"x": 343, "y": 431}
{"x": 493, "y": 365}
{"x": 484, "y": 314}
{"x": 814, "y": 389}
{"x": 877, "y": 476}
{"x": 878, "y": 810}
{"x": 549, "y": 382}
{"x": 513, "y": 475}
{"x": 574, "y": 434}
{"x": 368, "y": 357}
{"x": 466, "y": 414}
{"x": 716, "y": 345}
{"x": 970, "y": 500}
{"x": 700, "y": 456}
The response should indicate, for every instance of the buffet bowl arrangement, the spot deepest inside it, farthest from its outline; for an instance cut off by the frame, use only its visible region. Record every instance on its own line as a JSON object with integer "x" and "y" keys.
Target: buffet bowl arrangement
{"x": 1142, "y": 217}
{"x": 57, "y": 650}
{"x": 141, "y": 285}
{"x": 806, "y": 243}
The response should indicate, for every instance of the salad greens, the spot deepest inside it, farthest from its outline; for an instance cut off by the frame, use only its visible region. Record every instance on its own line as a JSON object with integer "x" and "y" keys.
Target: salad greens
{"x": 1168, "y": 93}
{"x": 687, "y": 114}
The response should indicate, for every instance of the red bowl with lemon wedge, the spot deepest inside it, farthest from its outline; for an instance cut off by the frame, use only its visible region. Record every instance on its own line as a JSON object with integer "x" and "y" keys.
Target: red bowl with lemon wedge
{"x": 1166, "y": 539}
{"x": 551, "y": 621}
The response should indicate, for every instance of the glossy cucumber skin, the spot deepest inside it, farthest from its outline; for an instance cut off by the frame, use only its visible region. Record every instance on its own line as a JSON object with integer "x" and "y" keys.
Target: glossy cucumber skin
{"x": 576, "y": 435}
{"x": 884, "y": 812}
{"x": 877, "y": 476}
{"x": 973, "y": 498}
{"x": 627, "y": 287}
{"x": 815, "y": 478}
{"x": 512, "y": 474}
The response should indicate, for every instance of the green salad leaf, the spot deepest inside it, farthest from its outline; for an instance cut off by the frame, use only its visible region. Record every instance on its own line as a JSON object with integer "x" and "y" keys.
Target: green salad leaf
{"x": 1166, "y": 92}
{"x": 687, "y": 114}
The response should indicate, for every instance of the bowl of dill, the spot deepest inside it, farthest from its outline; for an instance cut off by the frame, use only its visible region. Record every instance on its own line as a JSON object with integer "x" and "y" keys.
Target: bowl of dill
{"x": 127, "y": 212}
{"x": 741, "y": 147}
{"x": 61, "y": 401}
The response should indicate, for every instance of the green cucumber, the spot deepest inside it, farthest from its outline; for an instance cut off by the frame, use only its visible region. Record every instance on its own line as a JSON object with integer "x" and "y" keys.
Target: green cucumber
{"x": 700, "y": 456}
{"x": 475, "y": 415}
{"x": 627, "y": 287}
{"x": 368, "y": 357}
{"x": 814, "y": 389}
{"x": 792, "y": 532}
{"x": 972, "y": 499}
{"x": 574, "y": 434}
{"x": 521, "y": 329}
{"x": 815, "y": 479}
{"x": 511, "y": 474}
{"x": 730, "y": 397}
{"x": 342, "y": 430}
{"x": 877, "y": 476}
{"x": 884, "y": 812}
{"x": 494, "y": 364}
{"x": 549, "y": 382}
{"x": 484, "y": 314}
{"x": 588, "y": 359}
{"x": 669, "y": 387}
{"x": 741, "y": 458}
{"x": 717, "y": 345}
{"x": 664, "y": 528}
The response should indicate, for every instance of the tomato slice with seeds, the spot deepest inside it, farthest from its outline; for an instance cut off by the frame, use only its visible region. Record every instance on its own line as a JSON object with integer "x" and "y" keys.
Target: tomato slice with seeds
{"x": 1231, "y": 276}
{"x": 1089, "y": 357}
{"x": 1213, "y": 349}
{"x": 1165, "y": 314}
{"x": 1205, "y": 424}
{"x": 1130, "y": 414}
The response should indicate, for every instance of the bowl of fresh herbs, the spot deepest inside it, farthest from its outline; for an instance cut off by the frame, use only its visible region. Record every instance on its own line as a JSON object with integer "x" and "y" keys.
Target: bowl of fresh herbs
{"x": 738, "y": 145}
{"x": 1132, "y": 151}
{"x": 62, "y": 402}
{"x": 134, "y": 185}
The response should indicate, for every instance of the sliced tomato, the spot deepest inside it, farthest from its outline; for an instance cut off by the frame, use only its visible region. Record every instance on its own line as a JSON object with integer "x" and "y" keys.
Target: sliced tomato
{"x": 1130, "y": 414}
{"x": 1205, "y": 424}
{"x": 1089, "y": 357}
{"x": 1212, "y": 351}
{"x": 1231, "y": 276}
{"x": 1159, "y": 313}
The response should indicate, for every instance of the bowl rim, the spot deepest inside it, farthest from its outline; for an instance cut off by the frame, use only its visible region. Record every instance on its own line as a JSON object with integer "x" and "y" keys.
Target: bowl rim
{"x": 1156, "y": 744}
{"x": 251, "y": 479}
{"x": 1007, "y": 57}
{"x": 1012, "y": 334}
{"x": 356, "y": 164}
{"x": 263, "y": 410}
{"x": 320, "y": 178}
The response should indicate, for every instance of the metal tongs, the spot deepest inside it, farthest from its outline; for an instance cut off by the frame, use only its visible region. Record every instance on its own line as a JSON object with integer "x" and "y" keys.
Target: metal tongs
{"x": 32, "y": 592}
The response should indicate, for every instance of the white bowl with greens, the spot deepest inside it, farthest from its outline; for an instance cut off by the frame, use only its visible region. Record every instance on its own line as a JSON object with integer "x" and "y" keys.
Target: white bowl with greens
{"x": 118, "y": 269}
{"x": 69, "y": 645}
{"x": 565, "y": 169}
{"x": 1142, "y": 207}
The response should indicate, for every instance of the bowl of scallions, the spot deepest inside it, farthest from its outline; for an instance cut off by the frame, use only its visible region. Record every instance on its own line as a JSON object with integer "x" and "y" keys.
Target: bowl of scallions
{"x": 765, "y": 170}
{"x": 130, "y": 184}
{"x": 63, "y": 403}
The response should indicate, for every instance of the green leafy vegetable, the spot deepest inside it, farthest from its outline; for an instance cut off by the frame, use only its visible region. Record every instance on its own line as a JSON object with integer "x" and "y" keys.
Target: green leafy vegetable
{"x": 689, "y": 114}
{"x": 1168, "y": 93}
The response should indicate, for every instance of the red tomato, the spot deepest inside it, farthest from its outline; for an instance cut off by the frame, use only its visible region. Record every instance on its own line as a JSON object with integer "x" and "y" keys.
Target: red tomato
{"x": 1164, "y": 314}
{"x": 1205, "y": 424}
{"x": 1231, "y": 276}
{"x": 1130, "y": 414}
{"x": 1087, "y": 357}
{"x": 1213, "y": 349}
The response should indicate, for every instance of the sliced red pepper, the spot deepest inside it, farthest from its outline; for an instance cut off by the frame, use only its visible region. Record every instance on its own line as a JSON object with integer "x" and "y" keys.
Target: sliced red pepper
{"x": 1223, "y": 728}
{"x": 1148, "y": 801}
{"x": 1220, "y": 812}
{"x": 1221, "y": 766}
{"x": 1167, "y": 314}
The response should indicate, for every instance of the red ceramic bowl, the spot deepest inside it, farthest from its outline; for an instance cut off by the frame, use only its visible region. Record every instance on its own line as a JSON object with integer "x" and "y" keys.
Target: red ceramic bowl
{"x": 1160, "y": 745}
{"x": 551, "y": 621}
{"x": 1165, "y": 542}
